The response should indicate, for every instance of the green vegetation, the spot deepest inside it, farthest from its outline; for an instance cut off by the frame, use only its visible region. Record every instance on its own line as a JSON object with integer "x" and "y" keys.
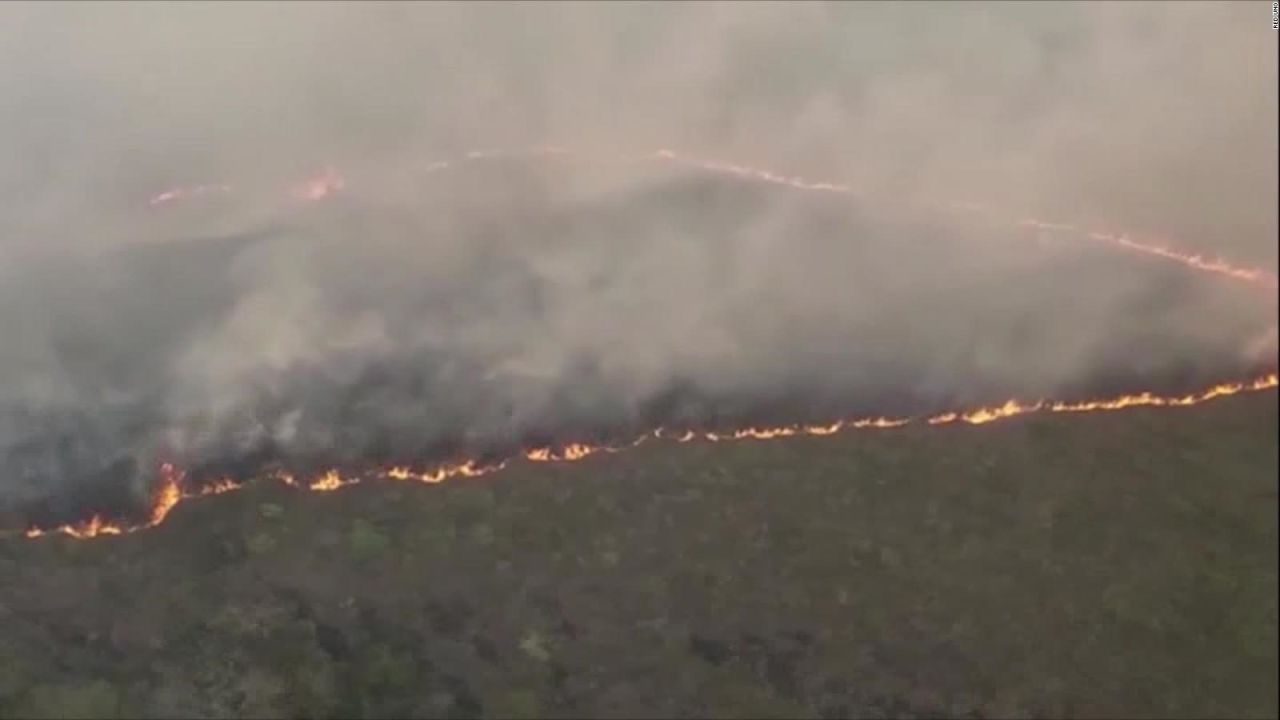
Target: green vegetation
{"x": 1115, "y": 564}
{"x": 366, "y": 541}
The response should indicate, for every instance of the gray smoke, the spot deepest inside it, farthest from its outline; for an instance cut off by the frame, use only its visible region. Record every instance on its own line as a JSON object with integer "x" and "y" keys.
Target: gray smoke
{"x": 518, "y": 301}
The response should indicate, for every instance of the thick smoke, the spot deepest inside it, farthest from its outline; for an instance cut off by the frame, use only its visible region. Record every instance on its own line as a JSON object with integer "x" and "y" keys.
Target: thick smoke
{"x": 527, "y": 300}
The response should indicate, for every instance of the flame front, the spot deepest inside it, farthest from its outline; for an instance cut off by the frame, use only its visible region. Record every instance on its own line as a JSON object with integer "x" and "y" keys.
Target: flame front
{"x": 331, "y": 481}
{"x": 169, "y": 491}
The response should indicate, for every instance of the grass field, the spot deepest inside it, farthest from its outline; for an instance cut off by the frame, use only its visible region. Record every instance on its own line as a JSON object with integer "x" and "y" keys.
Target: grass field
{"x": 1102, "y": 565}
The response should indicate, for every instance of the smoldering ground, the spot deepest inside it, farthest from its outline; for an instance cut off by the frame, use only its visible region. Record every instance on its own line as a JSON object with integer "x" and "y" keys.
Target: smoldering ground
{"x": 520, "y": 302}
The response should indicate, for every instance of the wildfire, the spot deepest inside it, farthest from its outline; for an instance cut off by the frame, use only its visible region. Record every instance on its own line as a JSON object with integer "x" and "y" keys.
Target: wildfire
{"x": 468, "y": 468}
{"x": 1191, "y": 260}
{"x": 167, "y": 496}
{"x": 1265, "y": 382}
{"x": 91, "y": 528}
{"x": 170, "y": 492}
{"x": 572, "y": 451}
{"x": 331, "y": 481}
{"x": 1199, "y": 262}
{"x": 218, "y": 487}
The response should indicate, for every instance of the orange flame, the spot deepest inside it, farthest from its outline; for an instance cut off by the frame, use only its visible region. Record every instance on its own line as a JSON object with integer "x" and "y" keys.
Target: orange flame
{"x": 91, "y": 528}
{"x": 167, "y": 496}
{"x": 220, "y": 486}
{"x": 572, "y": 451}
{"x": 1198, "y": 262}
{"x": 331, "y": 481}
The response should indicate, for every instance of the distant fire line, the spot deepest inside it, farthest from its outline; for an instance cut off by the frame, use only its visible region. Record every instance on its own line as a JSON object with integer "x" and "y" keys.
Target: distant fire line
{"x": 331, "y": 182}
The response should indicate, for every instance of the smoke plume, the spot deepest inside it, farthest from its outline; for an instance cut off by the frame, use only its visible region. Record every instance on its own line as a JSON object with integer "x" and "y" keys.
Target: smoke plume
{"x": 513, "y": 300}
